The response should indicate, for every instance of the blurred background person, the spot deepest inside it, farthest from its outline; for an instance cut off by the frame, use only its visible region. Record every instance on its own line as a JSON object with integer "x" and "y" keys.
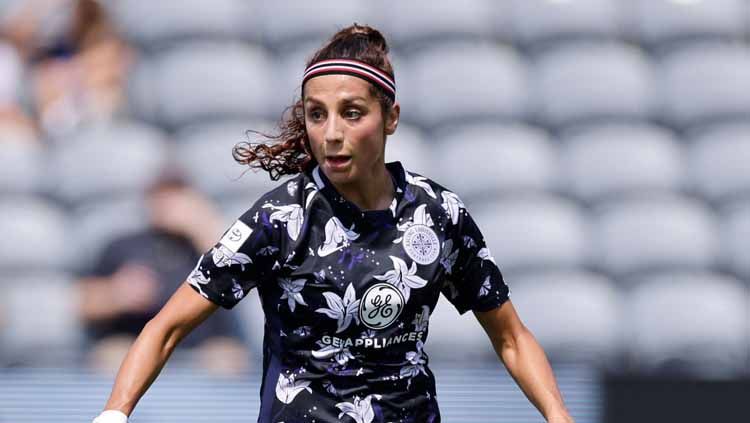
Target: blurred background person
{"x": 136, "y": 274}
{"x": 78, "y": 62}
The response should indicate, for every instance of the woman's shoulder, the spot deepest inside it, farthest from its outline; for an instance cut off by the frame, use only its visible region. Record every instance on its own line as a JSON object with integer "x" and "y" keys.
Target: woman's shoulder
{"x": 288, "y": 193}
{"x": 433, "y": 188}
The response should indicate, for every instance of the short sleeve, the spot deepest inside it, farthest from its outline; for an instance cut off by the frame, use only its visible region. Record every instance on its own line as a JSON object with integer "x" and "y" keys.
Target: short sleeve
{"x": 473, "y": 280}
{"x": 245, "y": 256}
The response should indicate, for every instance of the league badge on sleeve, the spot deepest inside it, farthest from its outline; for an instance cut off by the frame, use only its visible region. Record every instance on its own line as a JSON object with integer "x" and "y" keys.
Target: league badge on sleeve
{"x": 236, "y": 236}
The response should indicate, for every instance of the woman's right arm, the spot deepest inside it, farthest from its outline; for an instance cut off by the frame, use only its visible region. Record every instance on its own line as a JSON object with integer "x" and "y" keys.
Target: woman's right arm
{"x": 185, "y": 310}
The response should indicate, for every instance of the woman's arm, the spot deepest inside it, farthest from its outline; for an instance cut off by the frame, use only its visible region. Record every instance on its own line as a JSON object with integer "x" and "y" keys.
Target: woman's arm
{"x": 525, "y": 360}
{"x": 185, "y": 310}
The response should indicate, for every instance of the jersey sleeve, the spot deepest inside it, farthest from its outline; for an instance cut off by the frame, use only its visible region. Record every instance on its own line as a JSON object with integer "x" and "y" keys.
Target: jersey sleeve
{"x": 242, "y": 259}
{"x": 473, "y": 280}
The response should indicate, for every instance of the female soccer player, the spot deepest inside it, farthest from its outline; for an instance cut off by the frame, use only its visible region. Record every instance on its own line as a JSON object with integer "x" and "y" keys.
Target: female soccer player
{"x": 349, "y": 257}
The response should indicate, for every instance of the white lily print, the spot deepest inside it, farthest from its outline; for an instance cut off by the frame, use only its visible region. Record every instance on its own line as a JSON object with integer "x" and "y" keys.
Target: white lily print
{"x": 237, "y": 291}
{"x": 287, "y": 388}
{"x": 197, "y": 278}
{"x": 405, "y": 279}
{"x": 329, "y": 387}
{"x": 292, "y": 291}
{"x": 485, "y": 254}
{"x": 421, "y": 217}
{"x": 340, "y": 354}
{"x": 485, "y": 288}
{"x": 422, "y": 319}
{"x": 223, "y": 256}
{"x": 292, "y": 214}
{"x": 342, "y": 309}
{"x": 291, "y": 188}
{"x": 360, "y": 410}
{"x": 420, "y": 181}
{"x": 416, "y": 364}
{"x": 337, "y": 237}
{"x": 452, "y": 204}
{"x": 448, "y": 260}
{"x": 267, "y": 250}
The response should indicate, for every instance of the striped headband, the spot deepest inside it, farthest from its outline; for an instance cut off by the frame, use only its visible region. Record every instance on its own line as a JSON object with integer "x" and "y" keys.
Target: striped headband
{"x": 379, "y": 77}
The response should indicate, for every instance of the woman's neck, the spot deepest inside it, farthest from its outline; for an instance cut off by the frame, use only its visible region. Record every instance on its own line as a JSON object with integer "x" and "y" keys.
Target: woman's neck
{"x": 375, "y": 193}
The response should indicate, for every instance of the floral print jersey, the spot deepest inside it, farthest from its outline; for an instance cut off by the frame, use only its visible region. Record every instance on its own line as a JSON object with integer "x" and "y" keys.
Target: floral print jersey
{"x": 347, "y": 294}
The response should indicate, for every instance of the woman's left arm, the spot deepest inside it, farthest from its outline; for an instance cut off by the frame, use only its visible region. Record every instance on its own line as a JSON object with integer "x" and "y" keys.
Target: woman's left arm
{"x": 525, "y": 360}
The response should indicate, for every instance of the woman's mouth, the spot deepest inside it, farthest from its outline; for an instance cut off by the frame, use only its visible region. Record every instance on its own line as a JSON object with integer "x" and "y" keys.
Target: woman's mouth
{"x": 338, "y": 162}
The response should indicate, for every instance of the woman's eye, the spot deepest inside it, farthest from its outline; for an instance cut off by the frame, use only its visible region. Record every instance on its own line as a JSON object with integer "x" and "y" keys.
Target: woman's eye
{"x": 316, "y": 115}
{"x": 352, "y": 114}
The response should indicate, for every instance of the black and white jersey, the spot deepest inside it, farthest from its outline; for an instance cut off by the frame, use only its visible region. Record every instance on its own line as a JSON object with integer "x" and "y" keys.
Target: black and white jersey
{"x": 347, "y": 294}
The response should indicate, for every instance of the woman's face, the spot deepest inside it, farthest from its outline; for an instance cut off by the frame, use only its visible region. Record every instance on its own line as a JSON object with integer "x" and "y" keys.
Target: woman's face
{"x": 345, "y": 126}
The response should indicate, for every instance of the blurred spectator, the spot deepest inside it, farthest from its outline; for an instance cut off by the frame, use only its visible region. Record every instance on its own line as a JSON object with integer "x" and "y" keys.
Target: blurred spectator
{"x": 78, "y": 66}
{"x": 15, "y": 125}
{"x": 137, "y": 273}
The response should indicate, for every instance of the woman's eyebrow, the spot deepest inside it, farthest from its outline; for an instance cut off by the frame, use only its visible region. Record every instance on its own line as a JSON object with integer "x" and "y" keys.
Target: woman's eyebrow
{"x": 353, "y": 99}
{"x": 312, "y": 100}
{"x": 343, "y": 100}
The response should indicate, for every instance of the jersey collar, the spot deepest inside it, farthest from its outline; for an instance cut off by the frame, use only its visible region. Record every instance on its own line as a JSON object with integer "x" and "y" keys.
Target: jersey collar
{"x": 350, "y": 212}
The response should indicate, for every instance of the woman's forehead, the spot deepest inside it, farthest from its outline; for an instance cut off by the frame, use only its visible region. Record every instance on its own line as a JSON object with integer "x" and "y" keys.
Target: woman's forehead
{"x": 337, "y": 87}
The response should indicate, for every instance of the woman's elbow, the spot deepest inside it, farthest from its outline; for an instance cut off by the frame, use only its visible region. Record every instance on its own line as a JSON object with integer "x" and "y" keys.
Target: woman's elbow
{"x": 511, "y": 339}
{"x": 168, "y": 334}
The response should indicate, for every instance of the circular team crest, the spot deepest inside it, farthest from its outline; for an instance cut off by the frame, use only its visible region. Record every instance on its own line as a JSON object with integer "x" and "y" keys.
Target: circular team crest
{"x": 381, "y": 305}
{"x": 421, "y": 244}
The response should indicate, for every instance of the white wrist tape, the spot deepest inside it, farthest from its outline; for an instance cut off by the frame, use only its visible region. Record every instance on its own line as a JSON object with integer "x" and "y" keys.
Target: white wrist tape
{"x": 111, "y": 416}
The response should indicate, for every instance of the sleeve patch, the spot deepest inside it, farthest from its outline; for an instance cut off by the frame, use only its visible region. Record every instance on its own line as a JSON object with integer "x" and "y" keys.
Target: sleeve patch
{"x": 236, "y": 236}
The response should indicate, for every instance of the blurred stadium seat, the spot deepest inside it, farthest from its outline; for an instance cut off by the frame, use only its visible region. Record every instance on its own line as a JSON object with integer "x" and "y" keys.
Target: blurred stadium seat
{"x": 445, "y": 90}
{"x": 448, "y": 329}
{"x": 21, "y": 170}
{"x": 533, "y": 232}
{"x": 665, "y": 22}
{"x": 523, "y": 159}
{"x": 415, "y": 23}
{"x": 583, "y": 82}
{"x": 408, "y": 146}
{"x": 659, "y": 233}
{"x": 689, "y": 323}
{"x": 718, "y": 162}
{"x": 284, "y": 23}
{"x": 736, "y": 239}
{"x": 205, "y": 154}
{"x": 705, "y": 83}
{"x": 42, "y": 324}
{"x": 609, "y": 161}
{"x": 12, "y": 71}
{"x": 96, "y": 223}
{"x": 155, "y": 24}
{"x": 574, "y": 314}
{"x": 34, "y": 235}
{"x": 201, "y": 81}
{"x": 107, "y": 159}
{"x": 544, "y": 22}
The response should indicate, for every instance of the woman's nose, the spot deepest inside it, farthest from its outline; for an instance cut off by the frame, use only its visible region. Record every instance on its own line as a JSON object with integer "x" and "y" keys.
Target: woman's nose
{"x": 333, "y": 131}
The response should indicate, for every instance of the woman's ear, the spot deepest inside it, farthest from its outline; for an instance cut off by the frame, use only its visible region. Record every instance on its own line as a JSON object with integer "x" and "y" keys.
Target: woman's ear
{"x": 391, "y": 121}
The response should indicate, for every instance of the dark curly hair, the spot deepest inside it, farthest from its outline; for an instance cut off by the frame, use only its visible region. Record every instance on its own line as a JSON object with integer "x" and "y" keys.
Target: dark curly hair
{"x": 288, "y": 153}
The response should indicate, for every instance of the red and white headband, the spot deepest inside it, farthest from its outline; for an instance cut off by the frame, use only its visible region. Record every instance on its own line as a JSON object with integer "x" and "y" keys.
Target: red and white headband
{"x": 379, "y": 77}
